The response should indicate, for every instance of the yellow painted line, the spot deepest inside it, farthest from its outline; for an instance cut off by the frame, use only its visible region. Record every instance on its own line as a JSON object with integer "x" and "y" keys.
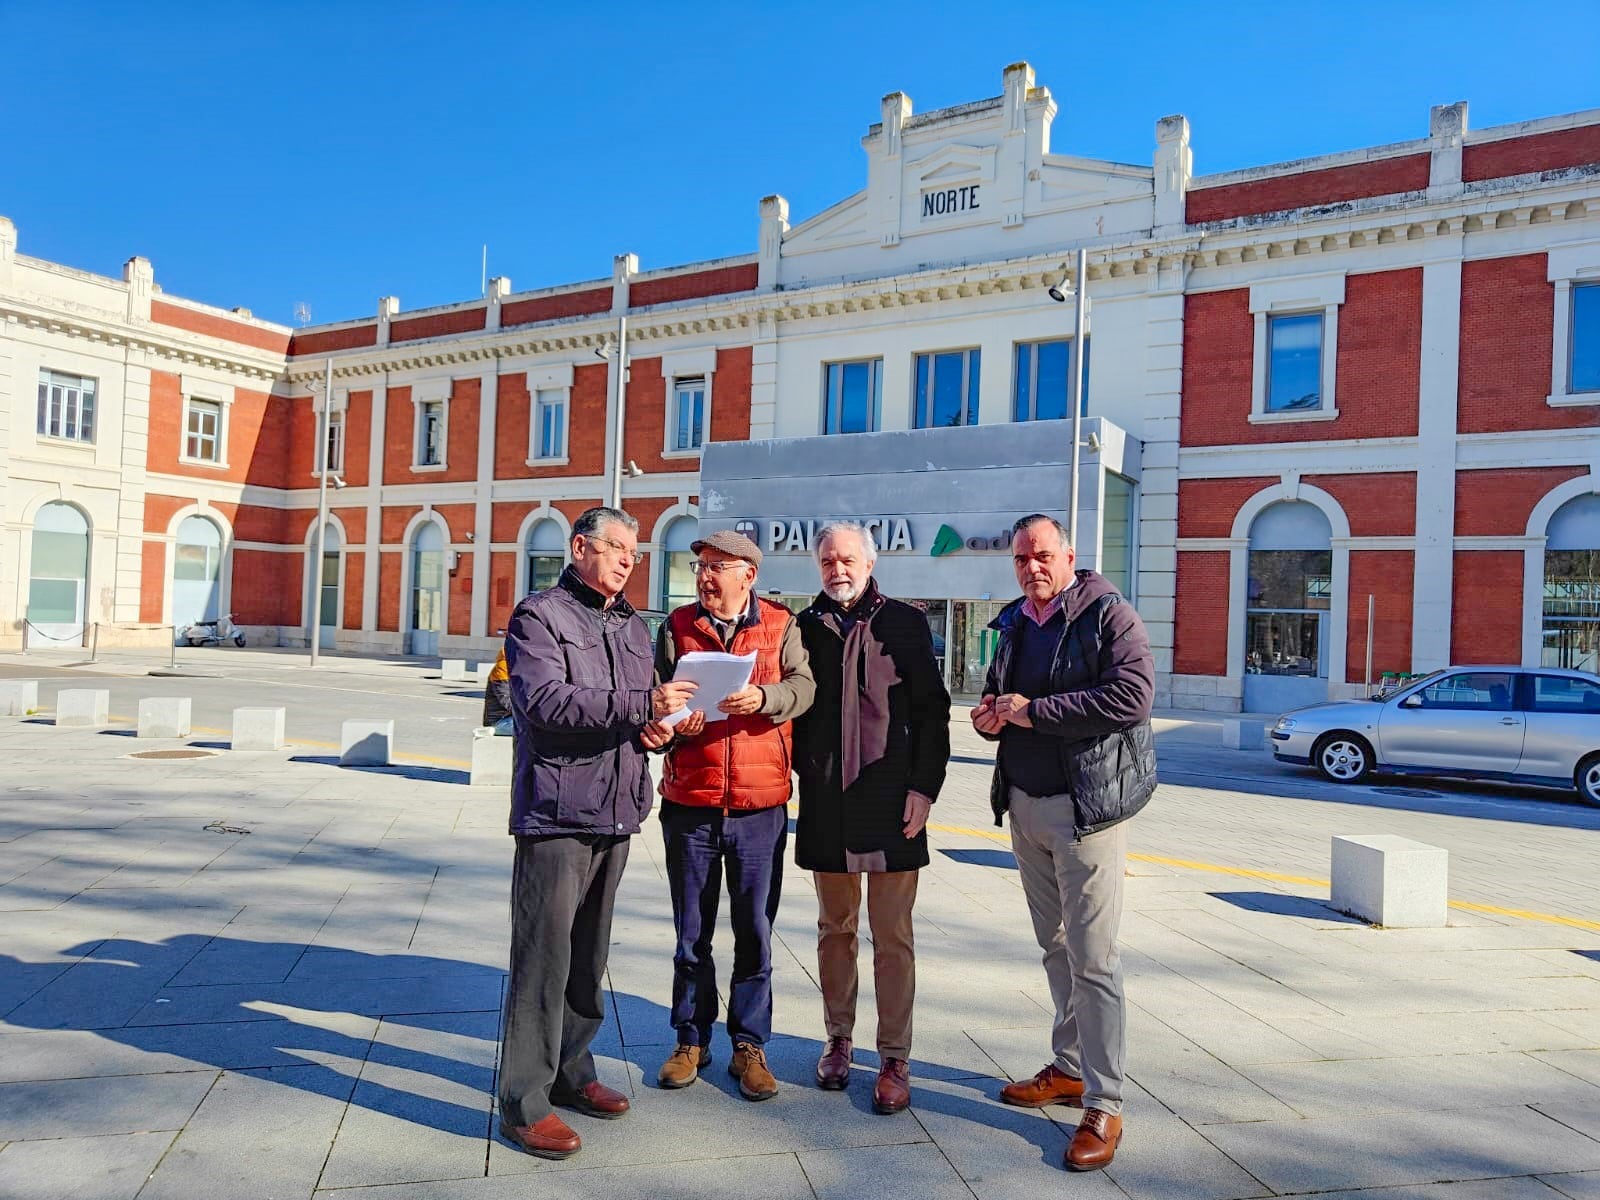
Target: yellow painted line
{"x": 1303, "y": 880}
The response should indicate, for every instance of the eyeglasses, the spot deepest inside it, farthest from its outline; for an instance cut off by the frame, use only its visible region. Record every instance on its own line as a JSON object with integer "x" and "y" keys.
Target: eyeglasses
{"x": 716, "y": 568}
{"x": 631, "y": 553}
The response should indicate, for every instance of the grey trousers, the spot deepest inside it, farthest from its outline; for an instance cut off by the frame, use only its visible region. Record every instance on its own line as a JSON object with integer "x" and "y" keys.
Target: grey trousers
{"x": 1074, "y": 891}
{"x": 562, "y": 892}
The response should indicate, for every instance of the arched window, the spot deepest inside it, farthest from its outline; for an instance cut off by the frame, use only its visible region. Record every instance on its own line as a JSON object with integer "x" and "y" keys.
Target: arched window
{"x": 1291, "y": 577}
{"x": 677, "y": 574}
{"x": 1572, "y": 586}
{"x": 427, "y": 588}
{"x": 196, "y": 572}
{"x": 547, "y": 555}
{"x": 58, "y": 578}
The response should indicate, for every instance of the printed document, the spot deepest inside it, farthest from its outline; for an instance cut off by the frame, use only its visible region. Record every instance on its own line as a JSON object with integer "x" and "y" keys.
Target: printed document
{"x": 719, "y": 676}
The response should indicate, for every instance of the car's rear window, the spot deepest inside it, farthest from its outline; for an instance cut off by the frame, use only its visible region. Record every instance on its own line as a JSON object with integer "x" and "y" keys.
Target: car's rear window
{"x": 1564, "y": 694}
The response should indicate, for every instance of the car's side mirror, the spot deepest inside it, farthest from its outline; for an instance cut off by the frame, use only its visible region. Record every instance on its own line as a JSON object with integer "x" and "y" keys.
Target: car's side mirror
{"x": 1411, "y": 702}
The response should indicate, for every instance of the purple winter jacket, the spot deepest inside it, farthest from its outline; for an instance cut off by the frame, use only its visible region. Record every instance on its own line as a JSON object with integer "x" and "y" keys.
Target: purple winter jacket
{"x": 581, "y": 675}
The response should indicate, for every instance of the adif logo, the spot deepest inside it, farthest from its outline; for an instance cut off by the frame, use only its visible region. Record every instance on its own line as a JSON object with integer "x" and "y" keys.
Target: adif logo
{"x": 748, "y": 529}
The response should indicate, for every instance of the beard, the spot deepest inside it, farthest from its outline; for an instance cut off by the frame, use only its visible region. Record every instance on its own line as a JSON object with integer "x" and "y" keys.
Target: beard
{"x": 842, "y": 593}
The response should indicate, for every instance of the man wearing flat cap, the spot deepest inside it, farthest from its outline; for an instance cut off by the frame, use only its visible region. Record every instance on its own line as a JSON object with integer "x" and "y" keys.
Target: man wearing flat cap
{"x": 723, "y": 812}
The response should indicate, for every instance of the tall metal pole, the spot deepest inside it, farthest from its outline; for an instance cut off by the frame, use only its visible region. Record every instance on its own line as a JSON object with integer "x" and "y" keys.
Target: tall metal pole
{"x": 322, "y": 510}
{"x": 622, "y": 411}
{"x": 1080, "y": 304}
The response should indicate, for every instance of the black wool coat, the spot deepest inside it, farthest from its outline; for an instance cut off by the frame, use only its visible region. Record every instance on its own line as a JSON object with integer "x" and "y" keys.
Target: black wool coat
{"x": 913, "y": 730}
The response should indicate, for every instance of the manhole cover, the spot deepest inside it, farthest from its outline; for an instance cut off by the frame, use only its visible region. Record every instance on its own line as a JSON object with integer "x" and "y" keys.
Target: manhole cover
{"x": 1415, "y": 793}
{"x": 173, "y": 754}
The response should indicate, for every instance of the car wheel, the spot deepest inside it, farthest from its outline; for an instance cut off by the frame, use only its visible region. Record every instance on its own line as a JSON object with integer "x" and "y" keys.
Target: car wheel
{"x": 1343, "y": 757}
{"x": 1587, "y": 780}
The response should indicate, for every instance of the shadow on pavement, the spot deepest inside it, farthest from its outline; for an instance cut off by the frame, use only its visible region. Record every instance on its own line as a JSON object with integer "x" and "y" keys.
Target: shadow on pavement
{"x": 1282, "y": 905}
{"x": 1003, "y": 859}
{"x": 402, "y": 770}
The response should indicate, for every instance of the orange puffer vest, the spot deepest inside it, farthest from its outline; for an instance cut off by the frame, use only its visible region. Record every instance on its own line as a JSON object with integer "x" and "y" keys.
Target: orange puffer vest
{"x": 738, "y": 762}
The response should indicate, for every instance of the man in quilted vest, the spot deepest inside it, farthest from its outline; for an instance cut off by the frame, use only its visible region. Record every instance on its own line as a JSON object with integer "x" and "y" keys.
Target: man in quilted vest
{"x": 724, "y": 796}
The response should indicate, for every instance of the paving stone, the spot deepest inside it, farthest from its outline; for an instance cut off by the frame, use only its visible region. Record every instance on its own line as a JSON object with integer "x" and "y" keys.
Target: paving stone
{"x": 369, "y": 997}
{"x": 780, "y": 1178}
{"x": 1475, "y": 1189}
{"x": 1324, "y": 1089}
{"x": 81, "y": 1168}
{"x": 258, "y": 1133}
{"x": 66, "y": 1107}
{"x": 1419, "y": 1147}
{"x": 1584, "y": 1185}
{"x": 421, "y": 1108}
{"x": 1162, "y": 1157}
{"x": 919, "y": 1170}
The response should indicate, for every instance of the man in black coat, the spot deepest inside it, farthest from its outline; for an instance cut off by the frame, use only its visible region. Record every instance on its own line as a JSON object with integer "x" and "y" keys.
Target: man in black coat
{"x": 871, "y": 756}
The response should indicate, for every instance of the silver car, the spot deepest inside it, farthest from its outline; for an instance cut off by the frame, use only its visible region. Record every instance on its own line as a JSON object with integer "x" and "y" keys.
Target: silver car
{"x": 1538, "y": 725}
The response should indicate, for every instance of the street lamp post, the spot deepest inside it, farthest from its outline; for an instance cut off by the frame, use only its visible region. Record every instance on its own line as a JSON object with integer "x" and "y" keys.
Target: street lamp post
{"x": 322, "y": 509}
{"x": 1080, "y": 308}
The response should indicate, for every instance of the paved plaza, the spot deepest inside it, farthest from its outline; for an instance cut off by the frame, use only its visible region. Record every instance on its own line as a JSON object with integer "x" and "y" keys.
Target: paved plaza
{"x": 264, "y": 975}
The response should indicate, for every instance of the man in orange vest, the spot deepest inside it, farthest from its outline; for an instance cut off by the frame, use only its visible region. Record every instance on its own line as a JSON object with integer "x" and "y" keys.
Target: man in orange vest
{"x": 724, "y": 796}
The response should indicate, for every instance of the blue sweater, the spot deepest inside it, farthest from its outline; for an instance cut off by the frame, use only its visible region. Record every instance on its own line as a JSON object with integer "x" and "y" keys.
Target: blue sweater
{"x": 1032, "y": 760}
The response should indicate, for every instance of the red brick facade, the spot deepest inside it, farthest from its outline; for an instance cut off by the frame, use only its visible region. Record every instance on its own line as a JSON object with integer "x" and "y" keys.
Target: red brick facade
{"x": 1387, "y": 576}
{"x": 1408, "y": 173}
{"x": 1201, "y": 645}
{"x": 1498, "y": 503}
{"x": 1536, "y": 152}
{"x": 1486, "y": 618}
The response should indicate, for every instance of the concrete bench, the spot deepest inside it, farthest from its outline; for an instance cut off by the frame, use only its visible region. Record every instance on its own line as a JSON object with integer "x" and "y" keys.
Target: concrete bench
{"x": 83, "y": 708}
{"x": 458, "y": 670}
{"x": 1391, "y": 881}
{"x": 258, "y": 728}
{"x": 366, "y": 743}
{"x": 1241, "y": 734}
{"x": 491, "y": 758}
{"x": 481, "y": 675}
{"x": 164, "y": 717}
{"x": 18, "y": 697}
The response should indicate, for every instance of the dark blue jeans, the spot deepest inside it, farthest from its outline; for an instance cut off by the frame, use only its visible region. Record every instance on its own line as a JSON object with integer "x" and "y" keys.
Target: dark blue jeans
{"x": 703, "y": 844}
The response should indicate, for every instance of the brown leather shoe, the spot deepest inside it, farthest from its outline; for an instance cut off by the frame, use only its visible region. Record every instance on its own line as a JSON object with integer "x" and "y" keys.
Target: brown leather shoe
{"x": 749, "y": 1067}
{"x": 833, "y": 1068}
{"x": 1050, "y": 1086}
{"x": 1095, "y": 1144}
{"x": 892, "y": 1092}
{"x": 596, "y": 1100}
{"x": 683, "y": 1066}
{"x": 549, "y": 1138}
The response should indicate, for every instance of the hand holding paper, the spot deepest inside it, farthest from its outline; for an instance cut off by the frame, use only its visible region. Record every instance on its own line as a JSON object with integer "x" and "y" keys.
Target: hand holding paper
{"x": 717, "y": 677}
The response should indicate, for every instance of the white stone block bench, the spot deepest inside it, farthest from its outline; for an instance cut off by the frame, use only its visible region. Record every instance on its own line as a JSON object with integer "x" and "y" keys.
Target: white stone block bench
{"x": 1241, "y": 734}
{"x": 491, "y": 758}
{"x": 458, "y": 670}
{"x": 1391, "y": 881}
{"x": 164, "y": 716}
{"x": 366, "y": 743}
{"x": 258, "y": 728}
{"x": 18, "y": 697}
{"x": 83, "y": 708}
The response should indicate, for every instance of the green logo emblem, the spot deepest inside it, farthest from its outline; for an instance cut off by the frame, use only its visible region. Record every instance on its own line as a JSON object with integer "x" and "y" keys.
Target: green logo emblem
{"x": 946, "y": 541}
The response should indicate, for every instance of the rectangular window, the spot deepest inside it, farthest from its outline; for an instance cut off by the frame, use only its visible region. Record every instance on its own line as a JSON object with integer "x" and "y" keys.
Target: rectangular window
{"x": 852, "y": 396}
{"x": 688, "y": 413}
{"x": 1565, "y": 694}
{"x": 1572, "y": 609}
{"x": 203, "y": 431}
{"x": 1584, "y": 372}
{"x": 550, "y": 423}
{"x": 947, "y": 389}
{"x": 66, "y": 407}
{"x": 1294, "y": 362}
{"x": 1289, "y": 590}
{"x": 1042, "y": 374}
{"x": 1485, "y": 690}
{"x": 430, "y": 434}
{"x": 335, "y": 449}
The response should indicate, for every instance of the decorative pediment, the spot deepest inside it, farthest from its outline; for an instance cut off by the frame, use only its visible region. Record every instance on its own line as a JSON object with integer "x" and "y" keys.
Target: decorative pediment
{"x": 953, "y": 162}
{"x": 845, "y": 223}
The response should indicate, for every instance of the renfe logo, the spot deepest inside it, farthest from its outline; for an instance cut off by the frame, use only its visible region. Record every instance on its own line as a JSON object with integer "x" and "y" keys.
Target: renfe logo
{"x": 950, "y": 200}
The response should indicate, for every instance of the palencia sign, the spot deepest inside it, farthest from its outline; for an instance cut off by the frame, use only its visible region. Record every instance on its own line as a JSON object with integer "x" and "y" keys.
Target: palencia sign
{"x": 892, "y": 534}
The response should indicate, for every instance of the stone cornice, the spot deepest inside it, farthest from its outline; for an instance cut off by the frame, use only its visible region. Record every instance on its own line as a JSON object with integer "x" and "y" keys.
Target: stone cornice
{"x": 161, "y": 341}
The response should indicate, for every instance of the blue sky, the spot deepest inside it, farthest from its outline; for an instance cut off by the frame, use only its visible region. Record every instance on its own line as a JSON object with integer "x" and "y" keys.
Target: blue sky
{"x": 264, "y": 154}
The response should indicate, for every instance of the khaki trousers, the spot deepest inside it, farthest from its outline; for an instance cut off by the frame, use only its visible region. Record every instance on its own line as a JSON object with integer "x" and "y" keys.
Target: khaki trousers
{"x": 890, "y": 897}
{"x": 1074, "y": 890}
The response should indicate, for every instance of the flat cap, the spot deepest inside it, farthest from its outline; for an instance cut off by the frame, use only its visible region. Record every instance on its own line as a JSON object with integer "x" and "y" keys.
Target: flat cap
{"x": 729, "y": 542}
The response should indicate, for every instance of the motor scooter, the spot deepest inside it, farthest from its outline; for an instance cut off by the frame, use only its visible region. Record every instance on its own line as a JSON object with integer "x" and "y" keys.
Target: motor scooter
{"x": 212, "y": 633}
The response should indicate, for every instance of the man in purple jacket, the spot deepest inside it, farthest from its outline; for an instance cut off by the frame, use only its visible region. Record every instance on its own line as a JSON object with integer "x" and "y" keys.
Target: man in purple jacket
{"x": 1068, "y": 698}
{"x": 586, "y": 710}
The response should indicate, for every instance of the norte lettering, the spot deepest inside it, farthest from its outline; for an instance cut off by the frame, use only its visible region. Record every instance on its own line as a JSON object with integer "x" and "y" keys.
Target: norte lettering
{"x": 950, "y": 200}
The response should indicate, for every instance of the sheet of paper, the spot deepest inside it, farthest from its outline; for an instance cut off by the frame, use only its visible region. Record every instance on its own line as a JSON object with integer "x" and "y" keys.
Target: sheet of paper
{"x": 719, "y": 676}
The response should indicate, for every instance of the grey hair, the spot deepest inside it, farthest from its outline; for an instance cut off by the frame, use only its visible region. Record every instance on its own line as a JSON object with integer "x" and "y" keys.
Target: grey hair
{"x": 592, "y": 520}
{"x": 855, "y": 527}
{"x": 1042, "y": 518}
